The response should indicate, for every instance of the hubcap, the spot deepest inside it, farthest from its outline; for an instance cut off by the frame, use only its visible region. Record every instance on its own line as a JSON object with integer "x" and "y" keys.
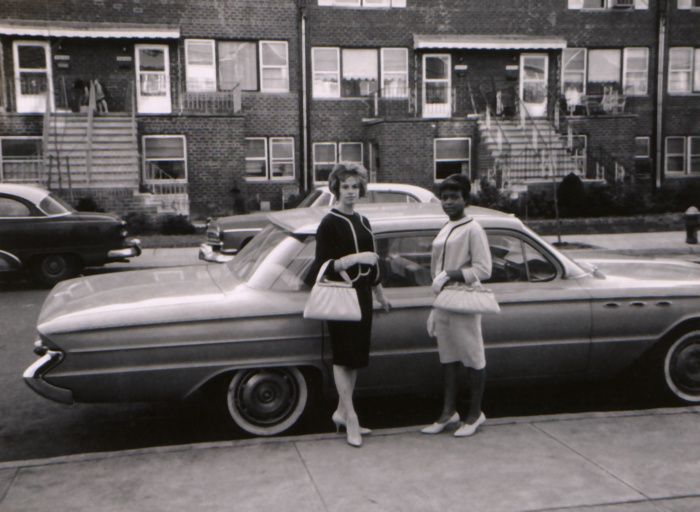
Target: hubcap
{"x": 54, "y": 265}
{"x": 266, "y": 397}
{"x": 685, "y": 367}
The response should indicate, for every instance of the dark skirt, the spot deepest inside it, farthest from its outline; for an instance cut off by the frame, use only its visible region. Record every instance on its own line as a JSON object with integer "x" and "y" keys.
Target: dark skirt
{"x": 350, "y": 340}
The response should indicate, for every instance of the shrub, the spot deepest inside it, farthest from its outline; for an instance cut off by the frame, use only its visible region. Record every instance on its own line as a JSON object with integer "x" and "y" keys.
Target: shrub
{"x": 87, "y": 204}
{"x": 176, "y": 225}
{"x": 571, "y": 196}
{"x": 138, "y": 223}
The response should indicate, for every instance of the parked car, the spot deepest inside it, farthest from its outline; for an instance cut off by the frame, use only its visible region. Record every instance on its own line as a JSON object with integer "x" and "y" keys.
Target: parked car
{"x": 235, "y": 332}
{"x": 45, "y": 236}
{"x": 227, "y": 235}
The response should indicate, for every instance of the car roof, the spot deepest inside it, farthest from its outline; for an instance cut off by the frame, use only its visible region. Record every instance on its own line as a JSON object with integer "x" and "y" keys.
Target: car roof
{"x": 422, "y": 193}
{"x": 33, "y": 193}
{"x": 392, "y": 217}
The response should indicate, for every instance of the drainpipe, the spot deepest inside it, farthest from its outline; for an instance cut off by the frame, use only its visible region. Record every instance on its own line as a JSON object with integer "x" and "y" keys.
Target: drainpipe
{"x": 304, "y": 105}
{"x": 660, "y": 71}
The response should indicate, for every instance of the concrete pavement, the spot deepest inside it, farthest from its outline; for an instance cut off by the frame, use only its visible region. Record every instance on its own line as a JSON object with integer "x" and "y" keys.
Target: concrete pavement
{"x": 613, "y": 462}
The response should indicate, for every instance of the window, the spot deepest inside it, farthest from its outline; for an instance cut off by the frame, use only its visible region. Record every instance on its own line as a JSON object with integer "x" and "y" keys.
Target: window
{"x": 636, "y": 62}
{"x": 641, "y": 147}
{"x": 688, "y": 4}
{"x": 355, "y": 73}
{"x": 452, "y": 156}
{"x": 515, "y": 260}
{"x": 201, "y": 68}
{"x": 222, "y": 65}
{"x": 603, "y": 70}
{"x": 370, "y": 4}
{"x": 327, "y": 154}
{"x": 404, "y": 259}
{"x": 10, "y": 207}
{"x": 165, "y": 158}
{"x": 360, "y": 72}
{"x": 675, "y": 154}
{"x": 394, "y": 73}
{"x": 280, "y": 160}
{"x": 608, "y": 4}
{"x": 238, "y": 64}
{"x": 574, "y": 70}
{"x": 21, "y": 159}
{"x": 684, "y": 70}
{"x": 694, "y": 155}
{"x": 274, "y": 74}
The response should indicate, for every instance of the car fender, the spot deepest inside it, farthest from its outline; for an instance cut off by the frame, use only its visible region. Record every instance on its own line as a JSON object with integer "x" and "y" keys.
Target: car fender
{"x": 9, "y": 262}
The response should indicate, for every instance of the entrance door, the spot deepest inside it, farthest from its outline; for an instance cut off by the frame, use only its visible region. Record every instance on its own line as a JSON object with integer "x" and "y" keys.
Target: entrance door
{"x": 533, "y": 83}
{"x": 153, "y": 79}
{"x": 437, "y": 85}
{"x": 32, "y": 75}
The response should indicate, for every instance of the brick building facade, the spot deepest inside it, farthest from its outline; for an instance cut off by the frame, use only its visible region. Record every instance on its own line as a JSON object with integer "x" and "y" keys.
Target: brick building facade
{"x": 209, "y": 102}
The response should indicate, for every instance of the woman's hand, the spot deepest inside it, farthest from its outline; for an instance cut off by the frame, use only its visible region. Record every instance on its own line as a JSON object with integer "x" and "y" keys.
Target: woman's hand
{"x": 360, "y": 258}
{"x": 440, "y": 281}
{"x": 381, "y": 298}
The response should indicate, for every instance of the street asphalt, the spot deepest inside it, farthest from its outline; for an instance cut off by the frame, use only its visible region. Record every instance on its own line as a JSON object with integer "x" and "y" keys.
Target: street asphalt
{"x": 631, "y": 461}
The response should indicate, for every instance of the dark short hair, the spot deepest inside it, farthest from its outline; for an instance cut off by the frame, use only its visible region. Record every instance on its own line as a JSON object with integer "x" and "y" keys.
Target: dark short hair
{"x": 343, "y": 170}
{"x": 457, "y": 182}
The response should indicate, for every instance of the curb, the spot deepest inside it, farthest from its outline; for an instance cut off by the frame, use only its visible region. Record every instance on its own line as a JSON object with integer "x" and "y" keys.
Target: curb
{"x": 158, "y": 450}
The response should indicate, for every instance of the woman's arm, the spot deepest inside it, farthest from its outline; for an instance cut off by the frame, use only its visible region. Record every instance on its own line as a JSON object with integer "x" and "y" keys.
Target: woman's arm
{"x": 480, "y": 269}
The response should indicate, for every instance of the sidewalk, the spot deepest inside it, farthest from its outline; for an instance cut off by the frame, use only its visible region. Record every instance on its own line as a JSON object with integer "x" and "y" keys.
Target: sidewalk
{"x": 640, "y": 461}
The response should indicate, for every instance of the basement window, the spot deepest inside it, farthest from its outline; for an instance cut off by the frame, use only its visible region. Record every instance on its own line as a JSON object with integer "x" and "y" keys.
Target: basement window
{"x": 164, "y": 159}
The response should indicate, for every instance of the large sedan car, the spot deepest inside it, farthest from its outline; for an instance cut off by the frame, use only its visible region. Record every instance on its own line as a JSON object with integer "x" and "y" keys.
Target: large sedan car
{"x": 42, "y": 234}
{"x": 227, "y": 235}
{"x": 236, "y": 333}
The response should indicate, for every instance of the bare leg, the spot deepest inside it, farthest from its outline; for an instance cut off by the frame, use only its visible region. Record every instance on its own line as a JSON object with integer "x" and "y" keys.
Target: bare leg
{"x": 344, "y": 383}
{"x": 477, "y": 383}
{"x": 449, "y": 405}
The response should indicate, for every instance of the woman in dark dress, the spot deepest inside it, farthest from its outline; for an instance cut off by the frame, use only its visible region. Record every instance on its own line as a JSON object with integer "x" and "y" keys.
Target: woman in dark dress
{"x": 345, "y": 237}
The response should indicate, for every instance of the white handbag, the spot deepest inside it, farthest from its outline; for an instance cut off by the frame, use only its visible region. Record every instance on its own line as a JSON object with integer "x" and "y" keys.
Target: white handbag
{"x": 333, "y": 300}
{"x": 464, "y": 298}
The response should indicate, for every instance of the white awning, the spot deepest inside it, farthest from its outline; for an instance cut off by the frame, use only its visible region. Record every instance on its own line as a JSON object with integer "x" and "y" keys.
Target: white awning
{"x": 490, "y": 42}
{"x": 87, "y": 30}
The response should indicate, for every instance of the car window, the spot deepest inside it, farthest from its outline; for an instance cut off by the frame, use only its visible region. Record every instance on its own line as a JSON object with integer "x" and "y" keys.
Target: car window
{"x": 10, "y": 207}
{"x": 404, "y": 259}
{"x": 54, "y": 205}
{"x": 393, "y": 197}
{"x": 515, "y": 259}
{"x": 313, "y": 199}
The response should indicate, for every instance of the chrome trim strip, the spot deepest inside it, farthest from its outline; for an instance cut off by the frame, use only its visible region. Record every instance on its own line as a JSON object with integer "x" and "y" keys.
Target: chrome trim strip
{"x": 33, "y": 377}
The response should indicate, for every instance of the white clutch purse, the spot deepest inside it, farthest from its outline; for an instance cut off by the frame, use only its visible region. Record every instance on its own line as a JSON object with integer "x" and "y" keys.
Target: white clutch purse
{"x": 463, "y": 298}
{"x": 333, "y": 300}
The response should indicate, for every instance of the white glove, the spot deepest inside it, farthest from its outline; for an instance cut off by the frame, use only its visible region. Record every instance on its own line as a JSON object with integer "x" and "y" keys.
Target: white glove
{"x": 440, "y": 281}
{"x": 364, "y": 258}
{"x": 431, "y": 324}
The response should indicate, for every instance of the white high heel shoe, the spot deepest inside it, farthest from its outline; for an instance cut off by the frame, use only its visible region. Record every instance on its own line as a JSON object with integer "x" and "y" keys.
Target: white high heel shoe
{"x": 437, "y": 427}
{"x": 339, "y": 421}
{"x": 469, "y": 429}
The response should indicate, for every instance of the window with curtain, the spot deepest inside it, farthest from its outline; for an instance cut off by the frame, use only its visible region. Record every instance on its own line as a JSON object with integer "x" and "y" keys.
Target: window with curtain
{"x": 636, "y": 65}
{"x": 281, "y": 158}
{"x": 274, "y": 70}
{"x": 603, "y": 71}
{"x": 359, "y": 72}
{"x": 326, "y": 72}
{"x": 394, "y": 72}
{"x": 237, "y": 64}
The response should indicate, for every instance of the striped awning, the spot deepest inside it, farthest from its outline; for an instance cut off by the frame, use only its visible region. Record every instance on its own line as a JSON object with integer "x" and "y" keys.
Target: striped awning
{"x": 487, "y": 42}
{"x": 95, "y": 30}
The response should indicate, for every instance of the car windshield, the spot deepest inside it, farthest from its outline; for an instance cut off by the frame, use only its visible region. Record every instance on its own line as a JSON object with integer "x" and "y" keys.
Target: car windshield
{"x": 53, "y": 205}
{"x": 310, "y": 199}
{"x": 274, "y": 259}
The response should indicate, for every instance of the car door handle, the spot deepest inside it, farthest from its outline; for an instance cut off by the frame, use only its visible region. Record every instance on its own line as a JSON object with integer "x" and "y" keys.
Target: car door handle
{"x": 664, "y": 303}
{"x": 612, "y": 305}
{"x": 638, "y": 304}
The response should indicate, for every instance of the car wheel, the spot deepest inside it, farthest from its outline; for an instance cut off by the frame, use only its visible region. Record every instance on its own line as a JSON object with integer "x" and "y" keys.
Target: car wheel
{"x": 52, "y": 268}
{"x": 267, "y": 401}
{"x": 682, "y": 367}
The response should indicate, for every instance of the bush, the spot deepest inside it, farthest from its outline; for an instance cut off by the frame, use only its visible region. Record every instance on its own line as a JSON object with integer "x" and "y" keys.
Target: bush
{"x": 138, "y": 223}
{"x": 87, "y": 204}
{"x": 176, "y": 225}
{"x": 571, "y": 196}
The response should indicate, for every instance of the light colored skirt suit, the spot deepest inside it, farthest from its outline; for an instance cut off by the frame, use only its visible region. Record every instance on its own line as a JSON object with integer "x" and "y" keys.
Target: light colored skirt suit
{"x": 460, "y": 245}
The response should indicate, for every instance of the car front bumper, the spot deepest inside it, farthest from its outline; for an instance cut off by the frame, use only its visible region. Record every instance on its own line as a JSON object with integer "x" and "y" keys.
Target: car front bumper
{"x": 34, "y": 377}
{"x": 207, "y": 253}
{"x": 132, "y": 251}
